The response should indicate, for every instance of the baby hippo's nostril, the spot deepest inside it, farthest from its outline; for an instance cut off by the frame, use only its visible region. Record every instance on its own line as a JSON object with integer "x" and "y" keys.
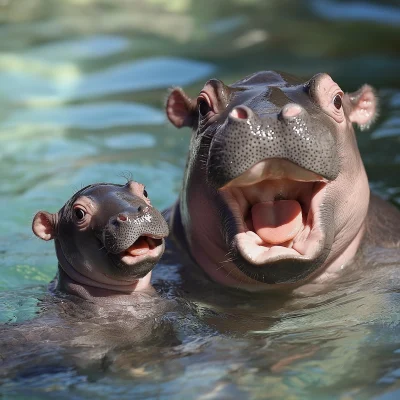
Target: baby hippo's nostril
{"x": 239, "y": 113}
{"x": 122, "y": 218}
{"x": 143, "y": 209}
{"x": 291, "y": 111}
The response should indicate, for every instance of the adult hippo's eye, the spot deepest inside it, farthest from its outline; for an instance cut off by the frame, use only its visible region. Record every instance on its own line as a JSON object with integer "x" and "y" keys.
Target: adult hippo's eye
{"x": 337, "y": 101}
{"x": 79, "y": 213}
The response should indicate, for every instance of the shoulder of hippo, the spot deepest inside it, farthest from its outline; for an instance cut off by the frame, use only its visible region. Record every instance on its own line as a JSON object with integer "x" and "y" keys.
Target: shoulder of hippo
{"x": 52, "y": 287}
{"x": 168, "y": 214}
{"x": 178, "y": 249}
{"x": 173, "y": 217}
{"x": 382, "y": 224}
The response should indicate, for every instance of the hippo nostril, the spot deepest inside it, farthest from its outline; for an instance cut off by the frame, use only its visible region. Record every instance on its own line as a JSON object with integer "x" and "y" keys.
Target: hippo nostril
{"x": 122, "y": 217}
{"x": 239, "y": 113}
{"x": 291, "y": 111}
{"x": 143, "y": 209}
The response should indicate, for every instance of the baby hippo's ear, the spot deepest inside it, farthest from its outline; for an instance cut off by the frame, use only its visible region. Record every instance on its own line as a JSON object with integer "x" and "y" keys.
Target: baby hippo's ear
{"x": 180, "y": 108}
{"x": 44, "y": 225}
{"x": 364, "y": 106}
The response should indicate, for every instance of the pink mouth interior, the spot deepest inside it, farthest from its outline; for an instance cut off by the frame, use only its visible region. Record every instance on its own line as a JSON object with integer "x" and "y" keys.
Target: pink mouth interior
{"x": 144, "y": 245}
{"x": 276, "y": 208}
{"x": 277, "y": 222}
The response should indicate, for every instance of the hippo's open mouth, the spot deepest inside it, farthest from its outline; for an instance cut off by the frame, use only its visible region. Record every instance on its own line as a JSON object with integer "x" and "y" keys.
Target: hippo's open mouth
{"x": 276, "y": 207}
{"x": 143, "y": 248}
{"x": 138, "y": 259}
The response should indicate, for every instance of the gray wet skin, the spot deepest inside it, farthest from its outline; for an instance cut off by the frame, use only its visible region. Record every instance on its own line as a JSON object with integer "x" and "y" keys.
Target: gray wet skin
{"x": 107, "y": 237}
{"x": 271, "y": 137}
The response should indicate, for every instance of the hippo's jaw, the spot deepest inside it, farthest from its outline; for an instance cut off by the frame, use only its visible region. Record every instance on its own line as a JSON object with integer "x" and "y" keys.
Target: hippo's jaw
{"x": 139, "y": 258}
{"x": 134, "y": 240}
{"x": 277, "y": 234}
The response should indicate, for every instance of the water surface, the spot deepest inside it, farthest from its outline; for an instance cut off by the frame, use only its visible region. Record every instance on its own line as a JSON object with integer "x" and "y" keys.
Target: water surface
{"x": 82, "y": 86}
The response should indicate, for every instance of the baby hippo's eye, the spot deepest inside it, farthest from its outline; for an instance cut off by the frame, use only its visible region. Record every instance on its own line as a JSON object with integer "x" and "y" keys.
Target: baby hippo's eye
{"x": 337, "y": 101}
{"x": 145, "y": 193}
{"x": 79, "y": 213}
{"x": 204, "y": 107}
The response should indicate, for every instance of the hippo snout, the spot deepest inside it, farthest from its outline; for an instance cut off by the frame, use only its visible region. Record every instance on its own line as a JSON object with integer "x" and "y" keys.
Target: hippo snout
{"x": 247, "y": 138}
{"x": 127, "y": 227}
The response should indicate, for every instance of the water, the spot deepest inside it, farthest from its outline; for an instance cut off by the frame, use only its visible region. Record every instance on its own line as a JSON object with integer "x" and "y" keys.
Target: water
{"x": 82, "y": 85}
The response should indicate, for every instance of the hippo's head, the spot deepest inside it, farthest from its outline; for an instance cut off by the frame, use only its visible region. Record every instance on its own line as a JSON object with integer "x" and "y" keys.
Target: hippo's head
{"x": 106, "y": 235}
{"x": 275, "y": 189}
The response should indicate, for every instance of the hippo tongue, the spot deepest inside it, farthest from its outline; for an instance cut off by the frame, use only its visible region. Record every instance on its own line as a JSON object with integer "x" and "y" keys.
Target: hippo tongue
{"x": 141, "y": 246}
{"x": 277, "y": 222}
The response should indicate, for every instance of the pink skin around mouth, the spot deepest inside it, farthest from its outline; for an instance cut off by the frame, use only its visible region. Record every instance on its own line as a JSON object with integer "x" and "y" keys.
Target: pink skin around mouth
{"x": 144, "y": 247}
{"x": 269, "y": 181}
{"x": 276, "y": 214}
{"x": 276, "y": 222}
{"x": 302, "y": 241}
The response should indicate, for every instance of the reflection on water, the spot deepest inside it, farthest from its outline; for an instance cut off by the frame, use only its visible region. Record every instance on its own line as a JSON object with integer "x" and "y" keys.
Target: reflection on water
{"x": 87, "y": 116}
{"x": 153, "y": 73}
{"x": 357, "y": 11}
{"x": 97, "y": 46}
{"x": 82, "y": 85}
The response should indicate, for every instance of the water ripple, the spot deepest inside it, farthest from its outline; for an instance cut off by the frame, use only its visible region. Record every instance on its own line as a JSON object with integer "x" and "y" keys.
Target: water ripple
{"x": 88, "y": 116}
{"x": 92, "y": 47}
{"x": 147, "y": 74}
{"x": 357, "y": 11}
{"x": 29, "y": 79}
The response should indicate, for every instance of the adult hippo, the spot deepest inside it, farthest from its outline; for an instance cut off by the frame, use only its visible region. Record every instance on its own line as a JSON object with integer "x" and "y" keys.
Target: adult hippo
{"x": 275, "y": 194}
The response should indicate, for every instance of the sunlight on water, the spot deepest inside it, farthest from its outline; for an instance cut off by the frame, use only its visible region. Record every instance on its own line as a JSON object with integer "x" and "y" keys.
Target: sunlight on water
{"x": 69, "y": 84}
{"x": 97, "y": 46}
{"x": 88, "y": 116}
{"x": 358, "y": 10}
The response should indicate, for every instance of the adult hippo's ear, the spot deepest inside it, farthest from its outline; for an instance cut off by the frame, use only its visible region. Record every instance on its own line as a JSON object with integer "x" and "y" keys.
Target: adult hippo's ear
{"x": 181, "y": 109}
{"x": 363, "y": 106}
{"x": 44, "y": 225}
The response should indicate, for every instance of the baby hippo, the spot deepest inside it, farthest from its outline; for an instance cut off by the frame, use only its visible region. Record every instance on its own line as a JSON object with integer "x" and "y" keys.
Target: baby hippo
{"x": 107, "y": 237}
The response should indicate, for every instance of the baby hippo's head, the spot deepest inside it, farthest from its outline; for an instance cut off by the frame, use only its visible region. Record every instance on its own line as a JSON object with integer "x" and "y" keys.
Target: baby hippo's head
{"x": 106, "y": 236}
